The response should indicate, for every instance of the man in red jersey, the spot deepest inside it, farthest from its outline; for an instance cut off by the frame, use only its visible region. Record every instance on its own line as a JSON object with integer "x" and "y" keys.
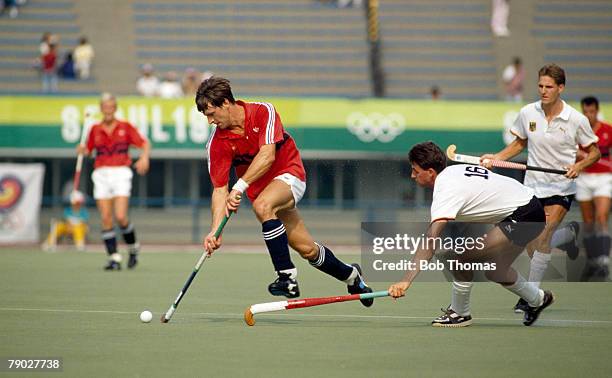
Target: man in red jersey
{"x": 594, "y": 192}
{"x": 250, "y": 137}
{"x": 112, "y": 177}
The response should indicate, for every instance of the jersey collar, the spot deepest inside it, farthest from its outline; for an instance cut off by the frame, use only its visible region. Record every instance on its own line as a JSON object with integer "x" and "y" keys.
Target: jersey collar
{"x": 565, "y": 112}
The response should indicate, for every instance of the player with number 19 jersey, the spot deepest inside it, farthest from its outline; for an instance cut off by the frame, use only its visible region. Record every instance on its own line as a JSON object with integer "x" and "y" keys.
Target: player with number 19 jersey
{"x": 470, "y": 193}
{"x": 262, "y": 125}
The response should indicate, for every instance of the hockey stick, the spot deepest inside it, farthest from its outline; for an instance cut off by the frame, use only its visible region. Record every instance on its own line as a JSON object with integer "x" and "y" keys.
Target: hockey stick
{"x": 306, "y": 302}
{"x": 79, "y": 163}
{"x": 467, "y": 159}
{"x": 166, "y": 317}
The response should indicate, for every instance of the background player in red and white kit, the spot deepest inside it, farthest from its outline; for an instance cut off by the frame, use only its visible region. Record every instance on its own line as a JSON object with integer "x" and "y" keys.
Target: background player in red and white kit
{"x": 112, "y": 177}
{"x": 471, "y": 193}
{"x": 250, "y": 137}
{"x": 593, "y": 193}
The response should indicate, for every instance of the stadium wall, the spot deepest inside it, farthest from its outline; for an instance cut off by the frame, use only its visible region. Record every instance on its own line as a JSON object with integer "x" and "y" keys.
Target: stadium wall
{"x": 323, "y": 128}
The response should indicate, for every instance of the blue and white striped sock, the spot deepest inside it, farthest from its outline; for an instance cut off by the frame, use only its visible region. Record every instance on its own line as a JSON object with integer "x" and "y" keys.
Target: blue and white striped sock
{"x": 110, "y": 241}
{"x": 275, "y": 236}
{"x": 328, "y": 263}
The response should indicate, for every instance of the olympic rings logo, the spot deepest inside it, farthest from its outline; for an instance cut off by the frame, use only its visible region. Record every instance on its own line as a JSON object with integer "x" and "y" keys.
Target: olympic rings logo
{"x": 376, "y": 126}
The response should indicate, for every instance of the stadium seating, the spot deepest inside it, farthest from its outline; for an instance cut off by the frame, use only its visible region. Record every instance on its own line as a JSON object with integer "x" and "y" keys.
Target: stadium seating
{"x": 270, "y": 47}
{"x": 578, "y": 37}
{"x": 438, "y": 42}
{"x": 19, "y": 41}
{"x": 312, "y": 48}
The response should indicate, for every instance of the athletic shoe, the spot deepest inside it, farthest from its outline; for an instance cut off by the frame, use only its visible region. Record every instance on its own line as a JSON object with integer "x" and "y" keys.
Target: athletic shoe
{"x": 48, "y": 247}
{"x": 595, "y": 271}
{"x": 112, "y": 265}
{"x": 132, "y": 260}
{"x": 450, "y": 319}
{"x": 521, "y": 306}
{"x": 571, "y": 248}
{"x": 284, "y": 285}
{"x": 360, "y": 287}
{"x": 532, "y": 313}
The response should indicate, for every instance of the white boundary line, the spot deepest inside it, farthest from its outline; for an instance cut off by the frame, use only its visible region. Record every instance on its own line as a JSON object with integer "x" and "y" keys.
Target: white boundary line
{"x": 348, "y": 316}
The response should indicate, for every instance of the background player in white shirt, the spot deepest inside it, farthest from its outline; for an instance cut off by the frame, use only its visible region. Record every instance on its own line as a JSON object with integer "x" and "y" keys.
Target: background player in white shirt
{"x": 552, "y": 131}
{"x": 475, "y": 194}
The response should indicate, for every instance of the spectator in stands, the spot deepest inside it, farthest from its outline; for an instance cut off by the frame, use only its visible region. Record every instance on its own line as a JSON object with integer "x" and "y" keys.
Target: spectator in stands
{"x": 11, "y": 6}
{"x": 191, "y": 81}
{"x": 499, "y": 18}
{"x": 66, "y": 69}
{"x": 435, "y": 92}
{"x": 49, "y": 70}
{"x": 514, "y": 77}
{"x": 170, "y": 86}
{"x": 46, "y": 40}
{"x": 148, "y": 84}
{"x": 43, "y": 48}
{"x": 349, "y": 3}
{"x": 83, "y": 56}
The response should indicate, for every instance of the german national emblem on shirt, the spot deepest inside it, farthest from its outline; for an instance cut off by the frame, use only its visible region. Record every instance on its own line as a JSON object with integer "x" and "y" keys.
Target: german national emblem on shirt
{"x": 532, "y": 126}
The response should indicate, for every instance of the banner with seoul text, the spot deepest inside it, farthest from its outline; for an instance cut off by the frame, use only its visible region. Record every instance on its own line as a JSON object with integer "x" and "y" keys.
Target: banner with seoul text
{"x": 52, "y": 125}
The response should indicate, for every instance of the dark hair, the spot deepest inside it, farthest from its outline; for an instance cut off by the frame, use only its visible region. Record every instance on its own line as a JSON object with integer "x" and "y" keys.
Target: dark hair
{"x": 553, "y": 71}
{"x": 427, "y": 155}
{"x": 590, "y": 100}
{"x": 213, "y": 90}
{"x": 517, "y": 60}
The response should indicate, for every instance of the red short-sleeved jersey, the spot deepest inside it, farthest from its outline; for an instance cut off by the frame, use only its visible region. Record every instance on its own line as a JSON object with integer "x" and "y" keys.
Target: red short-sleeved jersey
{"x": 112, "y": 149}
{"x": 604, "y": 133}
{"x": 262, "y": 125}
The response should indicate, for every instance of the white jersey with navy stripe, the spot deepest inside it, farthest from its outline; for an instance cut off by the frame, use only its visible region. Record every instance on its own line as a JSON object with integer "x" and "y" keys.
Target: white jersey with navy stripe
{"x": 471, "y": 193}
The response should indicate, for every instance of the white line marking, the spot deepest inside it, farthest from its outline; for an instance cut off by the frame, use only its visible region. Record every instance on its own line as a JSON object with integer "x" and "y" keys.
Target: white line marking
{"x": 348, "y": 316}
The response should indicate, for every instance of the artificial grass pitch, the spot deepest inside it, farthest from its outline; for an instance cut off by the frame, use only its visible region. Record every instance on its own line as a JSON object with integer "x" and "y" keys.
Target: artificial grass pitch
{"x": 64, "y": 305}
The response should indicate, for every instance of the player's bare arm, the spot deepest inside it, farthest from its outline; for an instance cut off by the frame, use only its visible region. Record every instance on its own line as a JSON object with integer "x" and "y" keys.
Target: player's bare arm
{"x": 398, "y": 289}
{"x": 218, "y": 211}
{"x": 142, "y": 164}
{"x": 507, "y": 153}
{"x": 592, "y": 156}
{"x": 259, "y": 166}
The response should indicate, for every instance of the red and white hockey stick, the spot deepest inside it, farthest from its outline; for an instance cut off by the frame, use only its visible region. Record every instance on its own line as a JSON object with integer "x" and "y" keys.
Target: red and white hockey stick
{"x": 306, "y": 302}
{"x": 467, "y": 159}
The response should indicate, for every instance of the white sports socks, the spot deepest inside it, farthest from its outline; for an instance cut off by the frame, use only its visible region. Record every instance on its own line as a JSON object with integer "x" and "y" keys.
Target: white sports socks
{"x": 527, "y": 290}
{"x": 539, "y": 263}
{"x": 460, "y": 298}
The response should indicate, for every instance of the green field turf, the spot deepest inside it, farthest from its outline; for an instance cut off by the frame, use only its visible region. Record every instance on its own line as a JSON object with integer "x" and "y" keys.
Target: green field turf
{"x": 64, "y": 305}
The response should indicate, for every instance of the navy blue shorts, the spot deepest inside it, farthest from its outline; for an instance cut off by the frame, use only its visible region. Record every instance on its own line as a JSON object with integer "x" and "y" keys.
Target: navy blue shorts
{"x": 525, "y": 223}
{"x": 565, "y": 201}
